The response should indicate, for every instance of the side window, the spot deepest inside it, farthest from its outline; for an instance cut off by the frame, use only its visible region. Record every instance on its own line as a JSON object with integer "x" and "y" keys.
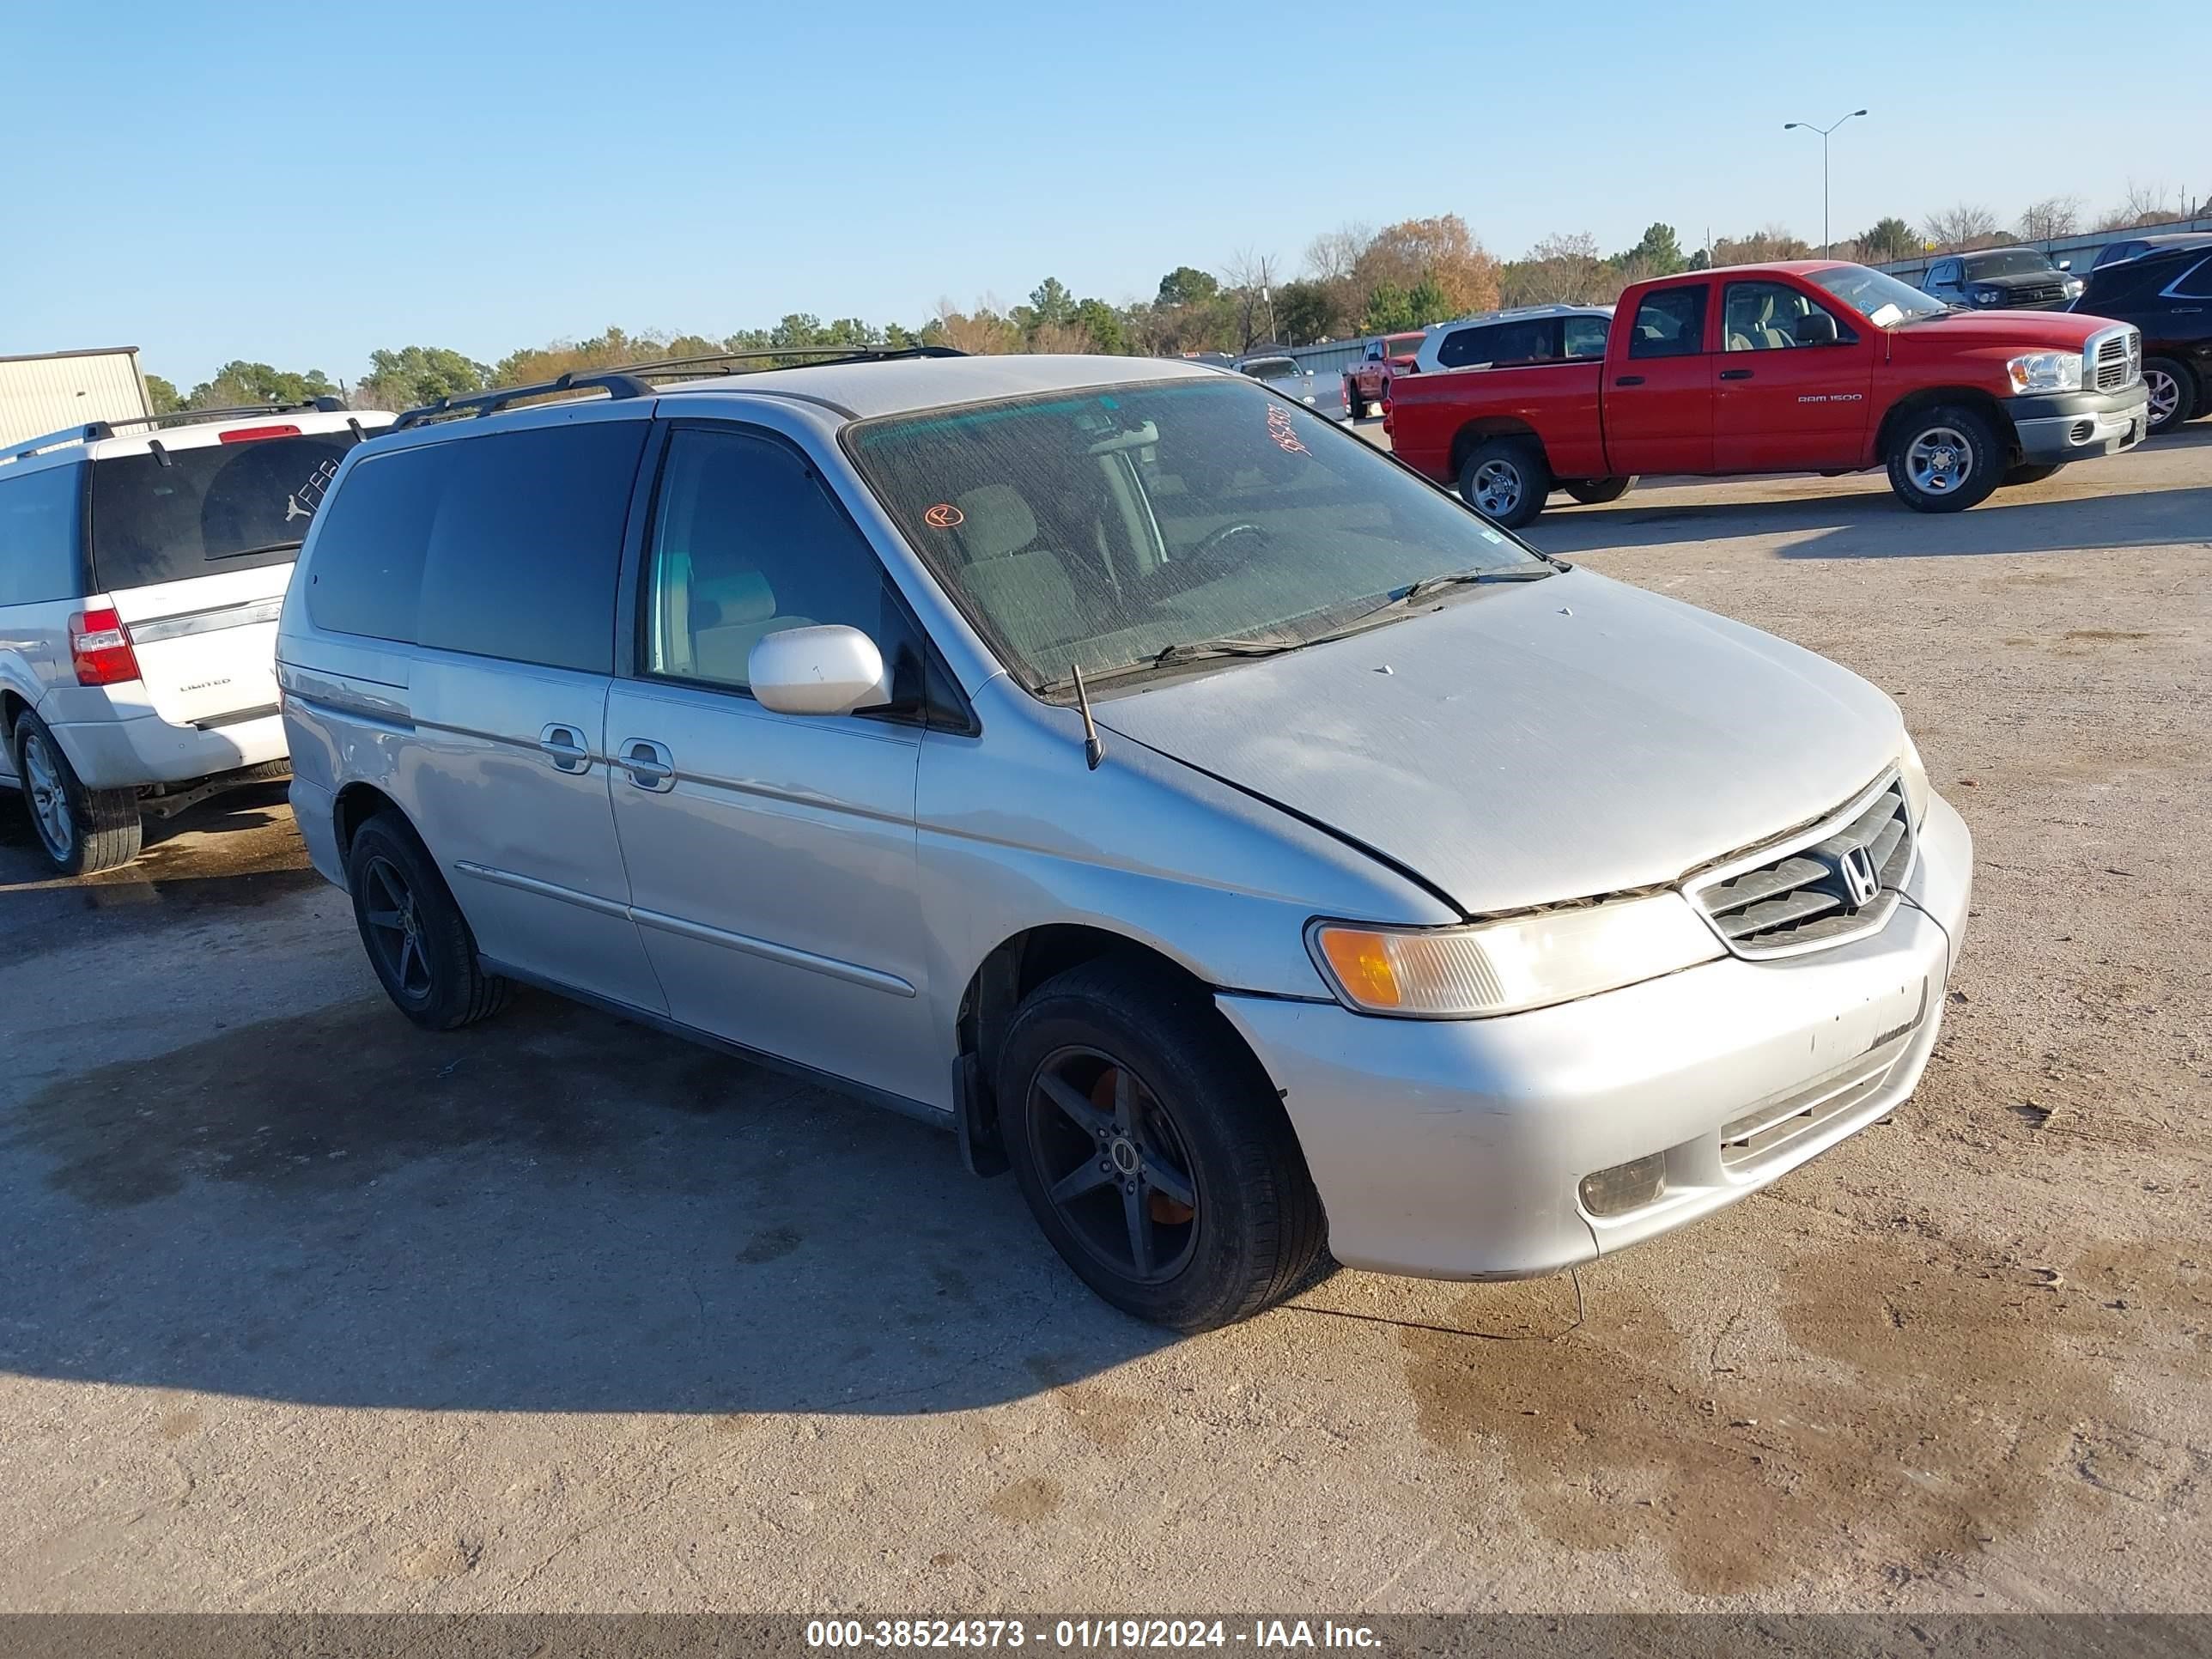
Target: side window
{"x": 1774, "y": 317}
{"x": 1670, "y": 323}
{"x": 527, "y": 547}
{"x": 746, "y": 541}
{"x": 1945, "y": 275}
{"x": 1585, "y": 336}
{"x": 365, "y": 574}
{"x": 506, "y": 545}
{"x": 1463, "y": 346}
{"x": 41, "y": 518}
{"x": 2194, "y": 284}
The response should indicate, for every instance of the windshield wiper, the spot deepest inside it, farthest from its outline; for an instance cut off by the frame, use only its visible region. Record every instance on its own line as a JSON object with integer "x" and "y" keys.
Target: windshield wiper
{"x": 1428, "y": 585}
{"x": 1181, "y": 652}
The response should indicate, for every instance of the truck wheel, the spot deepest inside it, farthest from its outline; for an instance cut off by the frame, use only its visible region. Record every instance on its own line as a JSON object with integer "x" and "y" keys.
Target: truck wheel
{"x": 2172, "y": 392}
{"x": 82, "y": 831}
{"x": 1596, "y": 492}
{"x": 2028, "y": 474}
{"x": 1945, "y": 460}
{"x": 1355, "y": 405}
{"x": 1152, "y": 1150}
{"x": 418, "y": 941}
{"x": 1505, "y": 480}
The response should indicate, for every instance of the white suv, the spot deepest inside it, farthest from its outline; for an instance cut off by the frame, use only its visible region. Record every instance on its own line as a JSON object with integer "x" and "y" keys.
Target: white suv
{"x": 141, "y": 579}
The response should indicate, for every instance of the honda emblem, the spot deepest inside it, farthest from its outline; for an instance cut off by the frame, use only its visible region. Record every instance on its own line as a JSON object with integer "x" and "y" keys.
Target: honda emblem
{"x": 1861, "y": 882}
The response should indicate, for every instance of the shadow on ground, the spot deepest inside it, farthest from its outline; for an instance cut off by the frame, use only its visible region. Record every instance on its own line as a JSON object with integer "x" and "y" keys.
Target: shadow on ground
{"x": 555, "y": 1211}
{"x": 1859, "y": 524}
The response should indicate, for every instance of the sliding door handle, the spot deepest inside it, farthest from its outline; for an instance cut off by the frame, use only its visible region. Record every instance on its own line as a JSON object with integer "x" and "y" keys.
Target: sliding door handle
{"x": 649, "y": 764}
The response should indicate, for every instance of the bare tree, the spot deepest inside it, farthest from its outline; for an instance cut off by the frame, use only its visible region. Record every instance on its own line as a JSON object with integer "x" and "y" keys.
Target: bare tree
{"x": 2142, "y": 205}
{"x": 1333, "y": 255}
{"x": 2050, "y": 218}
{"x": 1251, "y": 278}
{"x": 1960, "y": 226}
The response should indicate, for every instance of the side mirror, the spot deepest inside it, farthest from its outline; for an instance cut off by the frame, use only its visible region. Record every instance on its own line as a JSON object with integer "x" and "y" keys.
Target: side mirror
{"x": 2066, "y": 265}
{"x": 1814, "y": 328}
{"x": 816, "y": 670}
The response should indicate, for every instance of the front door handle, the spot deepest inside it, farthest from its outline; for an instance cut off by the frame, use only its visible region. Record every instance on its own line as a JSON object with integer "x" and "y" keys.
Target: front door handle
{"x": 1628, "y": 379}
{"x": 564, "y": 746}
{"x": 649, "y": 764}
{"x": 1736, "y": 374}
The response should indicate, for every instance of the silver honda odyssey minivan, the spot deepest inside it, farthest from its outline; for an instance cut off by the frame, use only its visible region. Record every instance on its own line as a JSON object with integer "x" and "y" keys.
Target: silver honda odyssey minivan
{"x": 1117, "y": 764}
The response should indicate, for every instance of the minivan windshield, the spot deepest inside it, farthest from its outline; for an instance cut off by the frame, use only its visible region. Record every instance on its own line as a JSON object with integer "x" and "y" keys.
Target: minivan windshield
{"x": 1875, "y": 295}
{"x": 1109, "y": 528}
{"x": 192, "y": 512}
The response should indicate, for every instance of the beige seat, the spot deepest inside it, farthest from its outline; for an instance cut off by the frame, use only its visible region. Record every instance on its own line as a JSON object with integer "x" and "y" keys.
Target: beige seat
{"x": 1025, "y": 590}
{"x": 729, "y": 614}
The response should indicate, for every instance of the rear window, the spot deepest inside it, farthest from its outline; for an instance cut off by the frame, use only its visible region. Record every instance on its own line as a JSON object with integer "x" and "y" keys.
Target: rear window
{"x": 211, "y": 508}
{"x": 1529, "y": 341}
{"x": 41, "y": 514}
{"x": 504, "y": 545}
{"x": 1670, "y": 323}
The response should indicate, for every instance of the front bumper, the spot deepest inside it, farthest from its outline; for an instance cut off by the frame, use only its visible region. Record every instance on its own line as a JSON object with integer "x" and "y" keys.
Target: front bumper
{"x": 2074, "y": 426}
{"x": 1456, "y": 1148}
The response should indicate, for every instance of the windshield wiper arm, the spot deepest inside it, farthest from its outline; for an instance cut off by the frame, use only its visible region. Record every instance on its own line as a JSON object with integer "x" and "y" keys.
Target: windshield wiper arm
{"x": 1182, "y": 651}
{"x": 1428, "y": 585}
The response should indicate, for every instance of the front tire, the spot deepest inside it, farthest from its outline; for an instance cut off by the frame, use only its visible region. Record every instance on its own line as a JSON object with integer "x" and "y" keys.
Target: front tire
{"x": 81, "y": 831}
{"x": 2174, "y": 394}
{"x": 1945, "y": 460}
{"x": 1505, "y": 480}
{"x": 1152, "y": 1150}
{"x": 418, "y": 941}
{"x": 1596, "y": 492}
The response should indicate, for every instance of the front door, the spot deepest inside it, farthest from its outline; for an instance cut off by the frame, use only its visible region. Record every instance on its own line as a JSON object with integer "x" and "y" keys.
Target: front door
{"x": 1792, "y": 384}
{"x": 771, "y": 857}
{"x": 1657, "y": 404}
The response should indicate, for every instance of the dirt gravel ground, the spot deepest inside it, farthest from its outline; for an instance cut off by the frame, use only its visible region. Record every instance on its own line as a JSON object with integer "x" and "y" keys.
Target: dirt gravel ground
{"x": 303, "y": 1310}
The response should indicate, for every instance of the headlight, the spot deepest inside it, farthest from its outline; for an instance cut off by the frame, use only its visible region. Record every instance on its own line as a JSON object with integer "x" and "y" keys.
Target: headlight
{"x": 1912, "y": 773}
{"x": 1988, "y": 296}
{"x": 2045, "y": 371}
{"x": 1505, "y": 966}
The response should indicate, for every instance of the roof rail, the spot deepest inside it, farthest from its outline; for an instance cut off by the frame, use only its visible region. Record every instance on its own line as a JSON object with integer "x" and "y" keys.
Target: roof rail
{"x": 635, "y": 379}
{"x": 94, "y": 431}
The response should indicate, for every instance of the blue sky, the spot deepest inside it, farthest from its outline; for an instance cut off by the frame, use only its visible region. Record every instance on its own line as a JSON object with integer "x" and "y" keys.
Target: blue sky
{"x": 299, "y": 183}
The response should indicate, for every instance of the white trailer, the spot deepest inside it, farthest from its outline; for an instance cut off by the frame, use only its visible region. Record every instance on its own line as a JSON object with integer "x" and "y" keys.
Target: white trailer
{"x": 54, "y": 390}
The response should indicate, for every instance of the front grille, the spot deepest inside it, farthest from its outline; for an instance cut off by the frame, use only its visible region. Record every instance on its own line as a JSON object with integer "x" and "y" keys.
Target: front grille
{"x": 2118, "y": 360}
{"x": 1803, "y": 897}
{"x": 2041, "y": 294}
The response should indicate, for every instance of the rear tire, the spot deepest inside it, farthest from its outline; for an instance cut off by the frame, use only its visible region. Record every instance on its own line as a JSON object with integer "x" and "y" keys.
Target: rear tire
{"x": 2025, "y": 474}
{"x": 1505, "y": 480}
{"x": 1355, "y": 405}
{"x": 1131, "y": 1111}
{"x": 81, "y": 831}
{"x": 1945, "y": 458}
{"x": 1596, "y": 492}
{"x": 2175, "y": 396}
{"x": 418, "y": 941}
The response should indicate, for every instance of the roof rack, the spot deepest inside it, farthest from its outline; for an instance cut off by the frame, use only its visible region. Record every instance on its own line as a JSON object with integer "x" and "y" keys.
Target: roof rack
{"x": 635, "y": 380}
{"x": 94, "y": 431}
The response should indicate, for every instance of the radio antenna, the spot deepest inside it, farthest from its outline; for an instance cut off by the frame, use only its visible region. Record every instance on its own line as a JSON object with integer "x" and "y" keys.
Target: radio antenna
{"x": 1094, "y": 749}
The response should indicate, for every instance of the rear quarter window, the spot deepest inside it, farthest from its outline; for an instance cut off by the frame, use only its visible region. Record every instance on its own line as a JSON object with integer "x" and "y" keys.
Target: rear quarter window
{"x": 41, "y": 523}
{"x": 504, "y": 545}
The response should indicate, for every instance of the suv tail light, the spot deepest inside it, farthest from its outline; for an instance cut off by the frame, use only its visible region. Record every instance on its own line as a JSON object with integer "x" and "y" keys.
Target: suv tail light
{"x": 100, "y": 648}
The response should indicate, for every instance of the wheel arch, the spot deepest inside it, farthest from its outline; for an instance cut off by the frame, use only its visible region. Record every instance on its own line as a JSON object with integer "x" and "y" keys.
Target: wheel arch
{"x": 1974, "y": 398}
{"x": 1013, "y": 969}
{"x": 1484, "y": 428}
{"x": 356, "y": 804}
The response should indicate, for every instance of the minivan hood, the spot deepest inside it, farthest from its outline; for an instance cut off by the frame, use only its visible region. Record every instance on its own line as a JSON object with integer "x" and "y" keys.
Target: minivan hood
{"x": 1523, "y": 745}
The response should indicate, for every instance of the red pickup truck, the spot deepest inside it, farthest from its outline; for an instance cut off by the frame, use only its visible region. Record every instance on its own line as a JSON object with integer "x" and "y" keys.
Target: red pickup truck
{"x": 1367, "y": 382}
{"x": 1809, "y": 365}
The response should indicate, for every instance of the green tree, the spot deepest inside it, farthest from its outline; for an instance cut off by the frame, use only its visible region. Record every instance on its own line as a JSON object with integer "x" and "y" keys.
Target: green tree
{"x": 1103, "y": 324}
{"x": 1187, "y": 285}
{"x": 414, "y": 376}
{"x": 1389, "y": 310}
{"x": 1051, "y": 303}
{"x": 163, "y": 396}
{"x": 1659, "y": 254}
{"x": 240, "y": 383}
{"x": 1306, "y": 311}
{"x": 1889, "y": 239}
{"x": 1426, "y": 303}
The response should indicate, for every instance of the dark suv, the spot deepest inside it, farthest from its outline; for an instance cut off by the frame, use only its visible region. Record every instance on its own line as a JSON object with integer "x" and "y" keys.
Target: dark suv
{"x": 2168, "y": 295}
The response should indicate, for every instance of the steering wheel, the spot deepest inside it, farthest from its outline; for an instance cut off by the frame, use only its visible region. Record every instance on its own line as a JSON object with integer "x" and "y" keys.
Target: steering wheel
{"x": 1211, "y": 546}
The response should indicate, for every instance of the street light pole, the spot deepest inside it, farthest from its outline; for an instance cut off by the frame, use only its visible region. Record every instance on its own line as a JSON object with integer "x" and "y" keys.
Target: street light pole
{"x": 1827, "y": 240}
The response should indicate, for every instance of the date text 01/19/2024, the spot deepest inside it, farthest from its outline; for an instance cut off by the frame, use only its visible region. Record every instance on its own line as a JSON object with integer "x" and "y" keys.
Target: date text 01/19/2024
{"x": 1083, "y": 1635}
